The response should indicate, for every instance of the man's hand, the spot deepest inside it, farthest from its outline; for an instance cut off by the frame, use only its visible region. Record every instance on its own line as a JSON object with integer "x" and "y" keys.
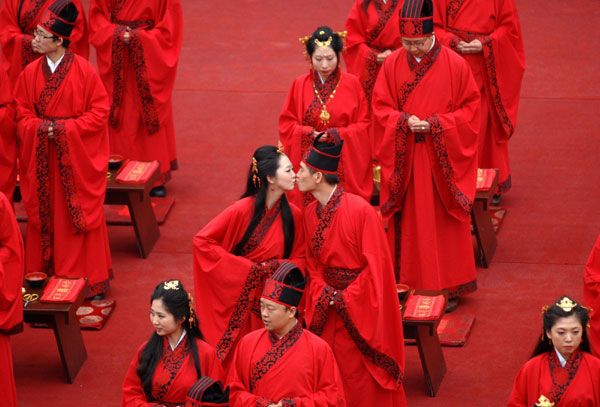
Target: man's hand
{"x": 280, "y": 404}
{"x": 50, "y": 132}
{"x": 127, "y": 35}
{"x": 473, "y": 47}
{"x": 383, "y": 55}
{"x": 417, "y": 125}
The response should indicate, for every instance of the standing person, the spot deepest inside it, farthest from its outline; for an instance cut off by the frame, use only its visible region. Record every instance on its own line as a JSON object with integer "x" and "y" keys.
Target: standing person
{"x": 62, "y": 111}
{"x": 175, "y": 357}
{"x": 488, "y": 35}
{"x": 284, "y": 364}
{"x": 352, "y": 301}
{"x": 426, "y": 119}
{"x": 8, "y": 138}
{"x": 11, "y": 302}
{"x": 138, "y": 45}
{"x": 373, "y": 34}
{"x": 591, "y": 296}
{"x": 236, "y": 251}
{"x": 561, "y": 371}
{"x": 331, "y": 101}
{"x": 19, "y": 19}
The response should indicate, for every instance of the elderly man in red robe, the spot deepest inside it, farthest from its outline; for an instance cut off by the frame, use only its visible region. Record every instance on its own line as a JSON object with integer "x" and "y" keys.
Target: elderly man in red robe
{"x": 591, "y": 296}
{"x": 284, "y": 364}
{"x": 62, "y": 111}
{"x": 426, "y": 120}
{"x": 11, "y": 303}
{"x": 352, "y": 301}
{"x": 8, "y": 138}
{"x": 19, "y": 19}
{"x": 488, "y": 35}
{"x": 138, "y": 45}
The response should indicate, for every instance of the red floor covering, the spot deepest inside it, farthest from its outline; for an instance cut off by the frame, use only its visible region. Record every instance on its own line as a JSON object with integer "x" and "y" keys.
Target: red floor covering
{"x": 237, "y": 62}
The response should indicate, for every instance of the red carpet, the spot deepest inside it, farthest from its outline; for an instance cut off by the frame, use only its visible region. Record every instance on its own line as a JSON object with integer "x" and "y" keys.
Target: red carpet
{"x": 119, "y": 214}
{"x": 238, "y": 60}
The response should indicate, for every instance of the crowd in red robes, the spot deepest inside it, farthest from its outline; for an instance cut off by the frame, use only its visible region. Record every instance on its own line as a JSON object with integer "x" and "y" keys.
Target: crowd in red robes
{"x": 591, "y": 296}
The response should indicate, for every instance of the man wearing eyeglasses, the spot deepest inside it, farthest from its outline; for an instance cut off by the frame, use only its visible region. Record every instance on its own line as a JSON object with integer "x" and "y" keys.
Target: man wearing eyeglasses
{"x": 62, "y": 113}
{"x": 426, "y": 122}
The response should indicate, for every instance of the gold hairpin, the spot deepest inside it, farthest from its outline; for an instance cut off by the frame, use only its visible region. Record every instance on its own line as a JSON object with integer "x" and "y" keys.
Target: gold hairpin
{"x": 323, "y": 44}
{"x": 171, "y": 285}
{"x": 544, "y": 402}
{"x": 304, "y": 39}
{"x": 255, "y": 177}
{"x": 566, "y": 304}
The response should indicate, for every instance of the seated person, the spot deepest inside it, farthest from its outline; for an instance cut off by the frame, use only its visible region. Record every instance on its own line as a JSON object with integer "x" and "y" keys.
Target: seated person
{"x": 283, "y": 364}
{"x": 175, "y": 357}
{"x": 561, "y": 371}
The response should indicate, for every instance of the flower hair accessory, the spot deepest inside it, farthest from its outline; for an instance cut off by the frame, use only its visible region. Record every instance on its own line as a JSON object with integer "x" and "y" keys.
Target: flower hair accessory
{"x": 255, "y": 177}
{"x": 171, "y": 285}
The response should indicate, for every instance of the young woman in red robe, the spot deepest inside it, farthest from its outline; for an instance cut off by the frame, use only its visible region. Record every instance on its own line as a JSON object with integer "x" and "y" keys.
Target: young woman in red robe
{"x": 8, "y": 138}
{"x": 138, "y": 44}
{"x": 591, "y": 296}
{"x": 351, "y": 301}
{"x": 236, "y": 251}
{"x": 11, "y": 302}
{"x": 18, "y": 19}
{"x": 328, "y": 100}
{"x": 63, "y": 157}
{"x": 426, "y": 119}
{"x": 373, "y": 34}
{"x": 284, "y": 364}
{"x": 561, "y": 371}
{"x": 174, "y": 358}
{"x": 488, "y": 35}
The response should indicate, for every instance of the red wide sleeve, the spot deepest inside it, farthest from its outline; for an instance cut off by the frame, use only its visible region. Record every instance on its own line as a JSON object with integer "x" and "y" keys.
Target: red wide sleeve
{"x": 518, "y": 395}
{"x": 8, "y": 138}
{"x": 209, "y": 364}
{"x": 133, "y": 393}
{"x": 239, "y": 375}
{"x": 591, "y": 296}
{"x": 12, "y": 40}
{"x": 361, "y": 59}
{"x": 440, "y": 19}
{"x": 101, "y": 37}
{"x": 11, "y": 269}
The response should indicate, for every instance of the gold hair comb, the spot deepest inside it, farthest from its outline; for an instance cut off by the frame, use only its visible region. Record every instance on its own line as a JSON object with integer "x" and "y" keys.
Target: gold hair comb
{"x": 171, "y": 285}
{"x": 566, "y": 304}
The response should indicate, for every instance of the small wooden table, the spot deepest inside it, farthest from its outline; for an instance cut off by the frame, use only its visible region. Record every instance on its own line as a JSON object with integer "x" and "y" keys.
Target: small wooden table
{"x": 137, "y": 199}
{"x": 63, "y": 320}
{"x": 483, "y": 227}
{"x": 428, "y": 343}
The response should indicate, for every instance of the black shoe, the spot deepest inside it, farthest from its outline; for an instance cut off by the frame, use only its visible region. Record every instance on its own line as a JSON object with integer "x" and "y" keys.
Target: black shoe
{"x": 496, "y": 199}
{"x": 159, "y": 192}
{"x": 451, "y": 305}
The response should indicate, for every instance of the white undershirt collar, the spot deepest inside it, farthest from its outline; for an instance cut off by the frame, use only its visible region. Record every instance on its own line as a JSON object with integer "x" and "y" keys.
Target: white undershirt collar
{"x": 179, "y": 341}
{"x": 53, "y": 66}
{"x": 561, "y": 359}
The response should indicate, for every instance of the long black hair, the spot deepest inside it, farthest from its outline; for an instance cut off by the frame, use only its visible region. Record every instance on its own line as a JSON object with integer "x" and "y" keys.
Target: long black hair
{"x": 179, "y": 303}
{"x": 322, "y": 34}
{"x": 551, "y": 315}
{"x": 267, "y": 162}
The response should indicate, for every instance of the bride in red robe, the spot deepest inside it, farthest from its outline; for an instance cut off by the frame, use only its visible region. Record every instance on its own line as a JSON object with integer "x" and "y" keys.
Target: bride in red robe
{"x": 591, "y": 296}
{"x": 488, "y": 35}
{"x": 236, "y": 252}
{"x": 561, "y": 371}
{"x": 174, "y": 358}
{"x": 373, "y": 34}
{"x": 328, "y": 100}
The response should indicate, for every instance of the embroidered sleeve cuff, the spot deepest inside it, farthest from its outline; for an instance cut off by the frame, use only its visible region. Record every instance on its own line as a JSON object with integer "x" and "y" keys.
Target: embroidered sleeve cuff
{"x": 436, "y": 127}
{"x": 263, "y": 402}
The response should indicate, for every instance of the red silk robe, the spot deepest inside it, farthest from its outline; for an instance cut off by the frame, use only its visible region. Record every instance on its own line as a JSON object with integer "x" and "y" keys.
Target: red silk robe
{"x": 498, "y": 69}
{"x": 370, "y": 33}
{"x": 591, "y": 296}
{"x": 173, "y": 376}
{"x": 11, "y": 303}
{"x": 349, "y": 119}
{"x": 139, "y": 77}
{"x": 63, "y": 180}
{"x": 351, "y": 301}
{"x": 228, "y": 287}
{"x": 428, "y": 179}
{"x": 17, "y": 33}
{"x": 8, "y": 138}
{"x": 299, "y": 368}
{"x": 535, "y": 379}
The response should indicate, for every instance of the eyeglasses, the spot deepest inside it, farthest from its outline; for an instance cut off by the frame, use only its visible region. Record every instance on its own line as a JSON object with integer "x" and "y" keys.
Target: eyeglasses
{"x": 418, "y": 44}
{"x": 40, "y": 34}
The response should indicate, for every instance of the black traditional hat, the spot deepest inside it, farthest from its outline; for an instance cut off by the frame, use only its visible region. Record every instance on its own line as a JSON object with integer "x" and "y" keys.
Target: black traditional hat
{"x": 416, "y": 18}
{"x": 324, "y": 156}
{"x": 207, "y": 392}
{"x": 285, "y": 286}
{"x": 60, "y": 17}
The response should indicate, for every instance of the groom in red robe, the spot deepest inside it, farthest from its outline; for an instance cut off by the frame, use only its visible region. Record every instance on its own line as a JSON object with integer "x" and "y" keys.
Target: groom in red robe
{"x": 351, "y": 301}
{"x": 8, "y": 138}
{"x": 284, "y": 364}
{"x": 62, "y": 111}
{"x": 426, "y": 120}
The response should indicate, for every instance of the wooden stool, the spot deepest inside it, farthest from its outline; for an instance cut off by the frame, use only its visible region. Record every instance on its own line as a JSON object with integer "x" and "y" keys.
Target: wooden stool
{"x": 483, "y": 228}
{"x": 63, "y": 320}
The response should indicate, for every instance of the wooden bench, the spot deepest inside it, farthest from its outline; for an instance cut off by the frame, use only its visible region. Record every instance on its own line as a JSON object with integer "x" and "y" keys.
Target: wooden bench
{"x": 483, "y": 228}
{"x": 424, "y": 333}
{"x": 63, "y": 320}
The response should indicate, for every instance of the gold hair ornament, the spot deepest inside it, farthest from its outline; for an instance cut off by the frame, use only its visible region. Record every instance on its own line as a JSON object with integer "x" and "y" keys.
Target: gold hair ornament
{"x": 255, "y": 177}
{"x": 192, "y": 317}
{"x": 566, "y": 304}
{"x": 544, "y": 402}
{"x": 323, "y": 44}
{"x": 171, "y": 285}
{"x": 305, "y": 39}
